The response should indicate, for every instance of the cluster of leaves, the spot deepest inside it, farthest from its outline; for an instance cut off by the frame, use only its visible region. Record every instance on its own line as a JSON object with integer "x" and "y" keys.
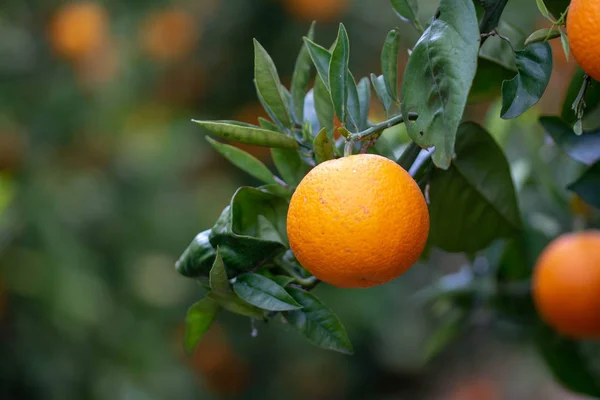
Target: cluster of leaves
{"x": 244, "y": 261}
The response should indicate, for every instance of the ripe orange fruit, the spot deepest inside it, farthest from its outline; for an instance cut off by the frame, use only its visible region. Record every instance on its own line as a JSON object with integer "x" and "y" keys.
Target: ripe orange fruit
{"x": 319, "y": 10}
{"x": 79, "y": 29}
{"x": 566, "y": 284}
{"x": 169, "y": 35}
{"x": 358, "y": 221}
{"x": 583, "y": 20}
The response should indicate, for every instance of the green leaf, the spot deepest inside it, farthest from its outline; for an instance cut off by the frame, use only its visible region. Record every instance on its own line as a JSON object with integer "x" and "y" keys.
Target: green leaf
{"x": 542, "y": 35}
{"x": 353, "y": 105}
{"x": 568, "y": 361}
{"x": 438, "y": 78}
{"x": 364, "y": 99}
{"x": 323, "y": 147}
{"x": 269, "y": 85}
{"x": 587, "y": 186}
{"x": 408, "y": 10}
{"x": 381, "y": 91}
{"x": 198, "y": 257}
{"x": 592, "y": 96}
{"x": 318, "y": 323}
{"x": 283, "y": 280}
{"x": 232, "y": 303}
{"x": 323, "y": 105}
{"x": 199, "y": 318}
{"x": 542, "y": 7}
{"x": 557, "y": 7}
{"x": 248, "y": 134}
{"x": 534, "y": 64}
{"x": 477, "y": 187}
{"x": 389, "y": 63}
{"x": 338, "y": 73}
{"x": 488, "y": 80}
{"x": 246, "y": 162}
{"x": 268, "y": 125}
{"x": 584, "y": 148}
{"x": 219, "y": 283}
{"x": 290, "y": 166}
{"x": 301, "y": 78}
{"x": 264, "y": 293}
{"x": 241, "y": 233}
{"x": 321, "y": 58}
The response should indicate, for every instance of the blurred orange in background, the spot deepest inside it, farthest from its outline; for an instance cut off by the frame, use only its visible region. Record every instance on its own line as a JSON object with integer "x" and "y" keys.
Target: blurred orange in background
{"x": 79, "y": 29}
{"x": 319, "y": 10}
{"x": 476, "y": 389}
{"x": 169, "y": 35}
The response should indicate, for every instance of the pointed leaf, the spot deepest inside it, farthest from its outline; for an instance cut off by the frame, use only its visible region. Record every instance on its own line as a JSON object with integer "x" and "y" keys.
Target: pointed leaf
{"x": 232, "y": 303}
{"x": 290, "y": 166}
{"x": 352, "y": 105}
{"x": 269, "y": 85}
{"x": 477, "y": 187}
{"x": 318, "y": 323}
{"x": 389, "y": 63}
{"x": 587, "y": 186}
{"x": 542, "y": 35}
{"x": 542, "y": 7}
{"x": 557, "y": 7}
{"x": 246, "y": 162}
{"x": 262, "y": 292}
{"x": 338, "y": 73}
{"x": 323, "y": 147}
{"x": 592, "y": 96}
{"x": 268, "y": 110}
{"x": 199, "y": 318}
{"x": 408, "y": 10}
{"x": 321, "y": 58}
{"x": 584, "y": 148}
{"x": 268, "y": 125}
{"x": 301, "y": 78}
{"x": 219, "y": 283}
{"x": 248, "y": 134}
{"x": 534, "y": 64}
{"x": 283, "y": 280}
{"x": 381, "y": 91}
{"x": 364, "y": 99}
{"x": 323, "y": 105}
{"x": 438, "y": 78}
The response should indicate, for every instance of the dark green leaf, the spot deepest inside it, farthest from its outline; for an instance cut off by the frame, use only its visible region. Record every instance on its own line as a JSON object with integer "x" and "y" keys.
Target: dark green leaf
{"x": 338, "y": 73}
{"x": 408, "y": 10}
{"x": 251, "y": 230}
{"x": 381, "y": 91}
{"x": 534, "y": 64}
{"x": 269, "y": 85}
{"x": 321, "y": 58}
{"x": 570, "y": 364}
{"x": 323, "y": 105}
{"x": 246, "y": 162}
{"x": 323, "y": 147}
{"x": 232, "y": 303}
{"x": 542, "y": 35}
{"x": 199, "y": 318}
{"x": 488, "y": 81}
{"x": 301, "y": 78}
{"x": 584, "y": 148}
{"x": 592, "y": 96}
{"x": 389, "y": 63}
{"x": 587, "y": 186}
{"x": 248, "y": 134}
{"x": 318, "y": 323}
{"x": 270, "y": 112}
{"x": 438, "y": 78}
{"x": 264, "y": 293}
{"x": 219, "y": 283}
{"x": 290, "y": 166}
{"x": 477, "y": 187}
{"x": 453, "y": 324}
{"x": 353, "y": 105}
{"x": 198, "y": 257}
{"x": 364, "y": 99}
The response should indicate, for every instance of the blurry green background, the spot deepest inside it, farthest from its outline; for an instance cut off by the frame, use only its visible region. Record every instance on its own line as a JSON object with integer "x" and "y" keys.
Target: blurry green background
{"x": 104, "y": 181}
